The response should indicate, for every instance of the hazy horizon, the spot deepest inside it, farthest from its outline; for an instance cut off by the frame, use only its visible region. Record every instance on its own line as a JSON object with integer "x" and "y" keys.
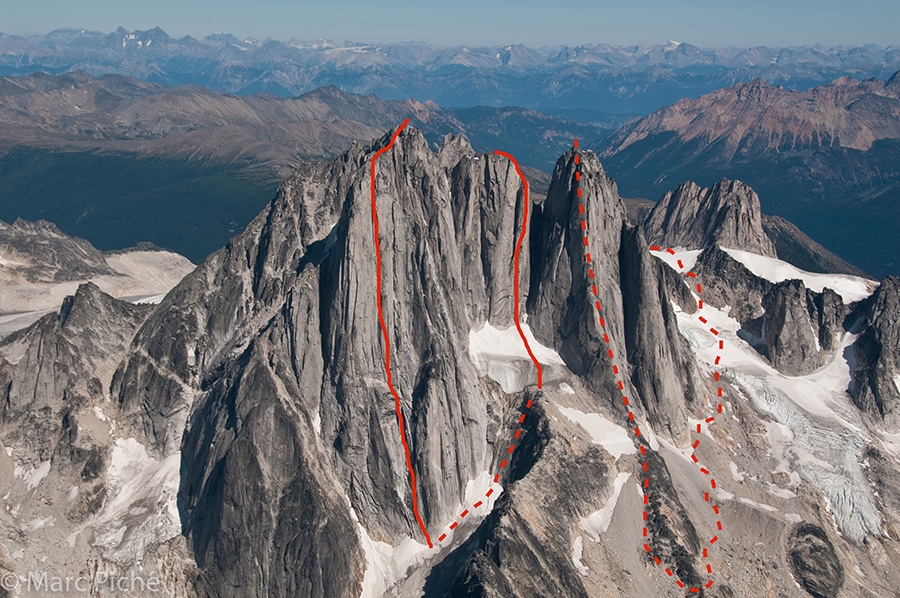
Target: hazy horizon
{"x": 702, "y": 23}
{"x": 372, "y": 42}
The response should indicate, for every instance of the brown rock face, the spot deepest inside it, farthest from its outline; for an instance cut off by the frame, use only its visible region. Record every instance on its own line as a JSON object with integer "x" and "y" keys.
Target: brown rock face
{"x": 756, "y": 116}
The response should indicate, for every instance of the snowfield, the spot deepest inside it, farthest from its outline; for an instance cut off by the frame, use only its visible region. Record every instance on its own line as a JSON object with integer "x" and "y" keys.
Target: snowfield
{"x": 501, "y": 356}
{"x": 850, "y": 288}
{"x": 816, "y": 431}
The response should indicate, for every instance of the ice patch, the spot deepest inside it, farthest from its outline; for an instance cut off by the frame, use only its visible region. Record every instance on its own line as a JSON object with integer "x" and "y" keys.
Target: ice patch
{"x": 597, "y": 522}
{"x": 610, "y": 436}
{"x": 577, "y": 550}
{"x": 501, "y": 355}
{"x": 850, "y": 288}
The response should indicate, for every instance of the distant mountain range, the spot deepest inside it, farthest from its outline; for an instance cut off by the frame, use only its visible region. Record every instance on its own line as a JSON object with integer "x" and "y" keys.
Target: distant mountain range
{"x": 827, "y": 158}
{"x": 597, "y": 81}
{"x": 118, "y": 161}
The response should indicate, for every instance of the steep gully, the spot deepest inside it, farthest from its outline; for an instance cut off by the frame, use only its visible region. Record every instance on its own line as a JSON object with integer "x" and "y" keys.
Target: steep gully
{"x": 639, "y": 439}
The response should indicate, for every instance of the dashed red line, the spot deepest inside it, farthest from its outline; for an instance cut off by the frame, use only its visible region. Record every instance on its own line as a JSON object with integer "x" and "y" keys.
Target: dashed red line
{"x": 387, "y": 341}
{"x": 645, "y": 498}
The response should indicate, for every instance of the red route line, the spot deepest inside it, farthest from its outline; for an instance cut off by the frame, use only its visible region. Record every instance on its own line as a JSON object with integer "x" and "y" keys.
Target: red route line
{"x": 537, "y": 365}
{"x": 387, "y": 341}
{"x": 645, "y": 499}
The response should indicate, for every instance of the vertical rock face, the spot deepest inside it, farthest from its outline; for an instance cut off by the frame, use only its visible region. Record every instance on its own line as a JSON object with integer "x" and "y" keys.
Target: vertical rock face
{"x": 800, "y": 328}
{"x": 630, "y": 287}
{"x": 876, "y": 380}
{"x": 727, "y": 215}
{"x": 278, "y": 382}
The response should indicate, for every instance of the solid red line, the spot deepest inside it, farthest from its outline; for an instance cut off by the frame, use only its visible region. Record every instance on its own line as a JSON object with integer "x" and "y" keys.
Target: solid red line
{"x": 387, "y": 342}
{"x": 540, "y": 373}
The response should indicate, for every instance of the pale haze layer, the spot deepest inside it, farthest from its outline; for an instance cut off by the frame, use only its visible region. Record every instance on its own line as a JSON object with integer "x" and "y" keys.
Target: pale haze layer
{"x": 474, "y": 22}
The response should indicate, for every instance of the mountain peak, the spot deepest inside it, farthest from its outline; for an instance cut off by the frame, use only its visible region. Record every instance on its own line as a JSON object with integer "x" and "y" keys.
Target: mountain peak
{"x": 727, "y": 214}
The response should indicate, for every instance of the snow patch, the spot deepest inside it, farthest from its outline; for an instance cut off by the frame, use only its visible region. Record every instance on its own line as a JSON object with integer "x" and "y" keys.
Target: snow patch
{"x": 99, "y": 413}
{"x": 35, "y": 475}
{"x": 897, "y": 382}
{"x": 72, "y": 538}
{"x": 758, "y": 505}
{"x": 143, "y": 509}
{"x": 566, "y": 389}
{"x": 793, "y": 517}
{"x": 688, "y": 258}
{"x": 736, "y": 475}
{"x": 385, "y": 564}
{"x": 612, "y": 437}
{"x": 501, "y": 355}
{"x": 597, "y": 522}
{"x": 5, "y": 262}
{"x": 317, "y": 423}
{"x": 577, "y": 550}
{"x": 850, "y": 288}
{"x": 36, "y": 524}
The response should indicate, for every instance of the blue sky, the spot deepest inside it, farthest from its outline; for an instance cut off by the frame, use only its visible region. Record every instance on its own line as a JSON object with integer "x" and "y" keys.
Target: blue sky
{"x": 483, "y": 22}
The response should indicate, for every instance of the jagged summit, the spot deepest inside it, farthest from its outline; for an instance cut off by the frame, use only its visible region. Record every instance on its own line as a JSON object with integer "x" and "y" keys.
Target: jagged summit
{"x": 691, "y": 216}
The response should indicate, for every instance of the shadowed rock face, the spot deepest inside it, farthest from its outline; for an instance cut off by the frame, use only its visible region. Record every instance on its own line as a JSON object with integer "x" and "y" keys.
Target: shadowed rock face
{"x": 875, "y": 388}
{"x": 727, "y": 215}
{"x": 800, "y": 328}
{"x": 814, "y": 562}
